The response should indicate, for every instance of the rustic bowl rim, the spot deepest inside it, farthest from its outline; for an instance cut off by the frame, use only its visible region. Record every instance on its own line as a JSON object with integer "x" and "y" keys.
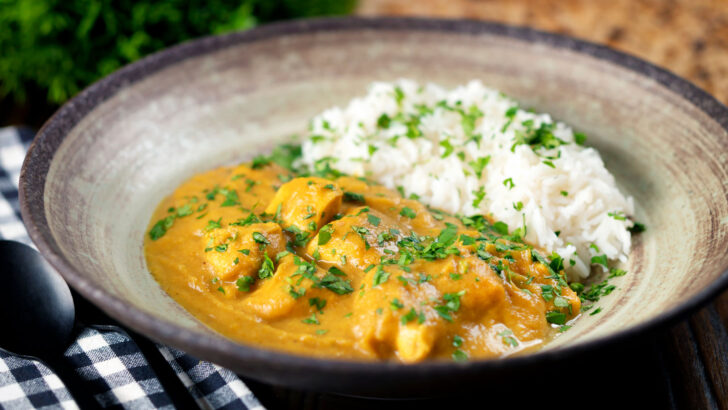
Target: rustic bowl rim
{"x": 40, "y": 154}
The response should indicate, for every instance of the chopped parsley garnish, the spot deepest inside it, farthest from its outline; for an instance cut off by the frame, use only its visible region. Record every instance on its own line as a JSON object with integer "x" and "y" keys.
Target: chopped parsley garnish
{"x": 479, "y": 164}
{"x": 231, "y": 197}
{"x": 617, "y": 215}
{"x": 637, "y": 228}
{"x": 335, "y": 284}
{"x": 213, "y": 224}
{"x": 556, "y": 317}
{"x": 457, "y": 341}
{"x": 160, "y": 228}
{"x": 412, "y": 315}
{"x": 300, "y": 238}
{"x": 508, "y": 183}
{"x": 599, "y": 260}
{"x": 615, "y": 272}
{"x": 311, "y": 320}
{"x": 452, "y": 304}
{"x": 266, "y": 270}
{"x": 380, "y": 276}
{"x": 508, "y": 338}
{"x": 447, "y": 148}
{"x": 318, "y": 303}
{"x": 459, "y": 356}
{"x": 373, "y": 219}
{"x": 259, "y": 238}
{"x": 249, "y": 220}
{"x": 479, "y": 196}
{"x": 353, "y": 197}
{"x": 184, "y": 210}
{"x": 244, "y": 282}
{"x": 408, "y": 212}
{"x": 501, "y": 228}
{"x": 383, "y": 121}
{"x": 295, "y": 294}
{"x": 395, "y": 304}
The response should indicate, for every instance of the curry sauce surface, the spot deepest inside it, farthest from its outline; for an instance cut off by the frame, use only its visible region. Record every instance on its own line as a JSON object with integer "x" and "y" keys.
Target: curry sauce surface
{"x": 346, "y": 268}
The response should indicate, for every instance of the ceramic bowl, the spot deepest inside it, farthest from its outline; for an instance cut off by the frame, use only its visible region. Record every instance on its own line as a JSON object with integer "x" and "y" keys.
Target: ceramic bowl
{"x": 100, "y": 165}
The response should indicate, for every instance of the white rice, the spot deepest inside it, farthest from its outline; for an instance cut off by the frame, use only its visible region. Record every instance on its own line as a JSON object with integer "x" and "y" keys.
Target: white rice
{"x": 576, "y": 198}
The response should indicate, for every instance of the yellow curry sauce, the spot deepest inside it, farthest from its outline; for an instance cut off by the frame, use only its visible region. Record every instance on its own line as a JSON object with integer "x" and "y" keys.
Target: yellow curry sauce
{"x": 346, "y": 268}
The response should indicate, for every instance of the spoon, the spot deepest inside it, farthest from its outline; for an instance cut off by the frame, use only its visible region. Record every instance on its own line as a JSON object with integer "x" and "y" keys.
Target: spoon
{"x": 38, "y": 319}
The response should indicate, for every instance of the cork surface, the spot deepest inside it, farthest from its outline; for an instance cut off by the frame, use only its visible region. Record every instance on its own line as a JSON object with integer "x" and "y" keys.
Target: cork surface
{"x": 688, "y": 37}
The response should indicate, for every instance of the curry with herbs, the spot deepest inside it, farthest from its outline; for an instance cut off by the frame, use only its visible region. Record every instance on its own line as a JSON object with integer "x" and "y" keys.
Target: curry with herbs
{"x": 329, "y": 265}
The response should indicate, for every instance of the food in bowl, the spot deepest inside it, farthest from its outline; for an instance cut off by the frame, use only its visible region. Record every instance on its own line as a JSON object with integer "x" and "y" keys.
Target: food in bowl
{"x": 415, "y": 223}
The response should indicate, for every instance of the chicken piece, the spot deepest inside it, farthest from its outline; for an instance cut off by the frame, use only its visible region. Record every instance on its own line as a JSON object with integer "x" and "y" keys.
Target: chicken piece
{"x": 391, "y": 320}
{"x": 477, "y": 286}
{"x": 305, "y": 203}
{"x": 357, "y": 240}
{"x": 233, "y": 250}
{"x": 291, "y": 288}
{"x": 406, "y": 212}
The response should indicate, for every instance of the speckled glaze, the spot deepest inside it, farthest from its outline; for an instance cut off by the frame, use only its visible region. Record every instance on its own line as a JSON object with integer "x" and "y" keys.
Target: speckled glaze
{"x": 99, "y": 167}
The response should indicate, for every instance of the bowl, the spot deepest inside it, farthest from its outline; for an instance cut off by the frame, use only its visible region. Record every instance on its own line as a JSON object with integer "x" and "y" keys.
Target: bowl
{"x": 100, "y": 165}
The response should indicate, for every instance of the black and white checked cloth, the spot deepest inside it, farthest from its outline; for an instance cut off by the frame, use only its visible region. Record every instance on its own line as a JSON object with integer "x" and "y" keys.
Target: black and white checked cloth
{"x": 117, "y": 374}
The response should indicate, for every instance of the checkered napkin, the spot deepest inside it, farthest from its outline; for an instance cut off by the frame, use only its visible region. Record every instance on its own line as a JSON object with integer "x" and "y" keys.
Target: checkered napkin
{"x": 116, "y": 372}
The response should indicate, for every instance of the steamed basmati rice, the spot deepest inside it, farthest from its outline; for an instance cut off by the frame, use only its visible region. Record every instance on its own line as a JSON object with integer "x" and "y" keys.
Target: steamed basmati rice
{"x": 471, "y": 150}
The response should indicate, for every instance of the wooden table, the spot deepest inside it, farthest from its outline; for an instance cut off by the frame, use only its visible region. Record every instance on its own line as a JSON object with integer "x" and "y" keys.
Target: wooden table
{"x": 685, "y": 366}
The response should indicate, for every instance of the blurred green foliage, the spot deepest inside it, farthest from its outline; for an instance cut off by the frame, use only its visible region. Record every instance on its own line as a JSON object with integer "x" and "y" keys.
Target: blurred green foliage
{"x": 57, "y": 47}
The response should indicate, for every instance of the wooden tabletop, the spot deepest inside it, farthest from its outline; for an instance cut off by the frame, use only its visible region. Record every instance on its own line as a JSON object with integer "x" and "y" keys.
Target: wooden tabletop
{"x": 683, "y": 367}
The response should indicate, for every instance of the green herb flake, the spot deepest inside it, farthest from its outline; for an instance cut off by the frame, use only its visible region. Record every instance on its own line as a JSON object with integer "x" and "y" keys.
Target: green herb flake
{"x": 479, "y": 165}
{"x": 508, "y": 338}
{"x": 221, "y": 248}
{"x": 556, "y": 317}
{"x": 259, "y": 238}
{"x": 213, "y": 224}
{"x": 244, "y": 282}
{"x": 160, "y": 228}
{"x": 353, "y": 197}
{"x": 615, "y": 272}
{"x": 318, "y": 303}
{"x": 266, "y": 270}
{"x": 508, "y": 183}
{"x": 373, "y": 219}
{"x": 311, "y": 320}
{"x": 459, "y": 356}
{"x": 408, "y": 212}
{"x": 395, "y": 304}
{"x": 381, "y": 276}
{"x": 599, "y": 260}
{"x": 447, "y": 148}
{"x": 457, "y": 341}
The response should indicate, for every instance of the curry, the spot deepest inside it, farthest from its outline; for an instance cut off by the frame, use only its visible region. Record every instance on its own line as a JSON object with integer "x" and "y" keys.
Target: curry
{"x": 330, "y": 265}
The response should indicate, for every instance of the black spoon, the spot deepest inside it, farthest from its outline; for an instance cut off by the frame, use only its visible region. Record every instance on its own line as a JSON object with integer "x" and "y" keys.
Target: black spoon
{"x": 38, "y": 319}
